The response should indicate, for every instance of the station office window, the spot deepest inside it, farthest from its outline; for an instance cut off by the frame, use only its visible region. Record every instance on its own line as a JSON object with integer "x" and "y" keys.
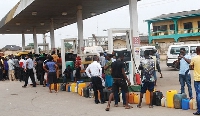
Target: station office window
{"x": 198, "y": 26}
{"x": 163, "y": 28}
{"x": 156, "y": 28}
{"x": 188, "y": 26}
{"x": 172, "y": 27}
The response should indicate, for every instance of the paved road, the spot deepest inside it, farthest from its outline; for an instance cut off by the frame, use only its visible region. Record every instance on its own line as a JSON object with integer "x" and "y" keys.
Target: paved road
{"x": 18, "y": 101}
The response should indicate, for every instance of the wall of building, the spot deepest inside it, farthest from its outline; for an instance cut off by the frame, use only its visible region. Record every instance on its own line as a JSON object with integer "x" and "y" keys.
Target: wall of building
{"x": 166, "y": 40}
{"x": 180, "y": 22}
{"x": 196, "y": 38}
{"x": 166, "y": 22}
{"x": 194, "y": 21}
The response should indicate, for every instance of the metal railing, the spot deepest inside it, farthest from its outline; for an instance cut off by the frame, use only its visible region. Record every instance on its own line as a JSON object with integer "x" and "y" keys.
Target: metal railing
{"x": 171, "y": 32}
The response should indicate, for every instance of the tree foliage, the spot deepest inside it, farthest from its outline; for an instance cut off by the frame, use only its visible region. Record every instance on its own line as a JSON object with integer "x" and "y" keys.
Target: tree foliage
{"x": 68, "y": 46}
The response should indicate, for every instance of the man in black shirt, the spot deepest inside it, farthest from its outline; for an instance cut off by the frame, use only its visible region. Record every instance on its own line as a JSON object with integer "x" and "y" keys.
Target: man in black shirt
{"x": 119, "y": 80}
{"x": 40, "y": 71}
{"x": 78, "y": 73}
{"x": 68, "y": 73}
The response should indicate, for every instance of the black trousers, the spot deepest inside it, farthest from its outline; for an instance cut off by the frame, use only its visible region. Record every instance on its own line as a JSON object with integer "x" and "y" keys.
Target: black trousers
{"x": 5, "y": 75}
{"x": 29, "y": 73}
{"x": 1, "y": 74}
{"x": 21, "y": 74}
{"x": 97, "y": 85}
{"x": 40, "y": 76}
{"x": 17, "y": 72}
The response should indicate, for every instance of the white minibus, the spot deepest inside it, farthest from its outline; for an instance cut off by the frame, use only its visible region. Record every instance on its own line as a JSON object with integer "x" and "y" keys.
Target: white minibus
{"x": 174, "y": 51}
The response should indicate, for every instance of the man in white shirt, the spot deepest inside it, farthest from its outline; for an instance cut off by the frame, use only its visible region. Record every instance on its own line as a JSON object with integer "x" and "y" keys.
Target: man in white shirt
{"x": 11, "y": 71}
{"x": 29, "y": 71}
{"x": 94, "y": 71}
{"x": 21, "y": 65}
{"x": 102, "y": 61}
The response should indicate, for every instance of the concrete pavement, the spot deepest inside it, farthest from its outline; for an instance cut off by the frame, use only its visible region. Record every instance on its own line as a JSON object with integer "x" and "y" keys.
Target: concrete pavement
{"x": 18, "y": 101}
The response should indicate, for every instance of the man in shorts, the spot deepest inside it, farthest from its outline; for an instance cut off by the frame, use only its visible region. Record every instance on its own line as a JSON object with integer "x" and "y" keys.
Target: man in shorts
{"x": 147, "y": 66}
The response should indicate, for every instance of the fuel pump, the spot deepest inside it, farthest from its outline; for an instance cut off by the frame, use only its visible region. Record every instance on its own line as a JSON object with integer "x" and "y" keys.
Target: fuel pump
{"x": 134, "y": 60}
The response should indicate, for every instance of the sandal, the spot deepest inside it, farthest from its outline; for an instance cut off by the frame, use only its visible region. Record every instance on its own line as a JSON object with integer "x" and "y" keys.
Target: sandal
{"x": 150, "y": 106}
{"x": 139, "y": 106}
{"x": 127, "y": 107}
{"x": 108, "y": 108}
{"x": 130, "y": 106}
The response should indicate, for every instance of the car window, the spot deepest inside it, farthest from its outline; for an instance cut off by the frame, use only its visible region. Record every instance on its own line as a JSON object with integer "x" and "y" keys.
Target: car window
{"x": 176, "y": 50}
{"x": 193, "y": 49}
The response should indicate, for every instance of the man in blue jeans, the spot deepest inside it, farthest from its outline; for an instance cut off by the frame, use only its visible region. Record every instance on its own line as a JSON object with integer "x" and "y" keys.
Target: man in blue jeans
{"x": 184, "y": 72}
{"x": 195, "y": 64}
{"x": 116, "y": 97}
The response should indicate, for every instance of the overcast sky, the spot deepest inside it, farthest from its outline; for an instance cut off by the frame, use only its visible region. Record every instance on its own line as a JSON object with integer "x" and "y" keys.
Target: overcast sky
{"x": 118, "y": 18}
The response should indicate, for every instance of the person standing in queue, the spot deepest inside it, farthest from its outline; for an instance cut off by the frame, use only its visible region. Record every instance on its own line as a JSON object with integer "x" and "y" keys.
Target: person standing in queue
{"x": 119, "y": 80}
{"x": 29, "y": 71}
{"x": 52, "y": 78}
{"x": 184, "y": 72}
{"x": 195, "y": 64}
{"x": 107, "y": 68}
{"x": 39, "y": 70}
{"x": 94, "y": 71}
{"x": 147, "y": 67}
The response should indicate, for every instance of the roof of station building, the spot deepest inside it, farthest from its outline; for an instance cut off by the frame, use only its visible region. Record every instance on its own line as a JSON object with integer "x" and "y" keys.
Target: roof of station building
{"x": 178, "y": 15}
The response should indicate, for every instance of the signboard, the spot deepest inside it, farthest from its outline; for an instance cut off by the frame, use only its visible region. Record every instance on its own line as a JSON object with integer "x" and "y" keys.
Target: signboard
{"x": 136, "y": 41}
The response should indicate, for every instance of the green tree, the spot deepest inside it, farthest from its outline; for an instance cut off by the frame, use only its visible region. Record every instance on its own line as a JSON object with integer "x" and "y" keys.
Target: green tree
{"x": 31, "y": 45}
{"x": 68, "y": 46}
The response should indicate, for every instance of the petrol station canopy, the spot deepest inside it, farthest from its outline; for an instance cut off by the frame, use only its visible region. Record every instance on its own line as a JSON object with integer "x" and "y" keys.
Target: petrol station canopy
{"x": 29, "y": 14}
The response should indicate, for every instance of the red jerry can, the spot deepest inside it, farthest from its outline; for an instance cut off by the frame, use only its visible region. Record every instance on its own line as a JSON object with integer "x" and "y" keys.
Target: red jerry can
{"x": 78, "y": 61}
{"x": 137, "y": 78}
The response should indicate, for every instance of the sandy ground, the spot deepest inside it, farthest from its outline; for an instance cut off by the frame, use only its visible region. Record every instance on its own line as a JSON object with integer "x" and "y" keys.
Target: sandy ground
{"x": 18, "y": 101}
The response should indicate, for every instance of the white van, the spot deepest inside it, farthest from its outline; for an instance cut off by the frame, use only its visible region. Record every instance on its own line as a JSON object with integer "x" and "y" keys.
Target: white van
{"x": 174, "y": 51}
{"x": 143, "y": 48}
{"x": 93, "y": 49}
